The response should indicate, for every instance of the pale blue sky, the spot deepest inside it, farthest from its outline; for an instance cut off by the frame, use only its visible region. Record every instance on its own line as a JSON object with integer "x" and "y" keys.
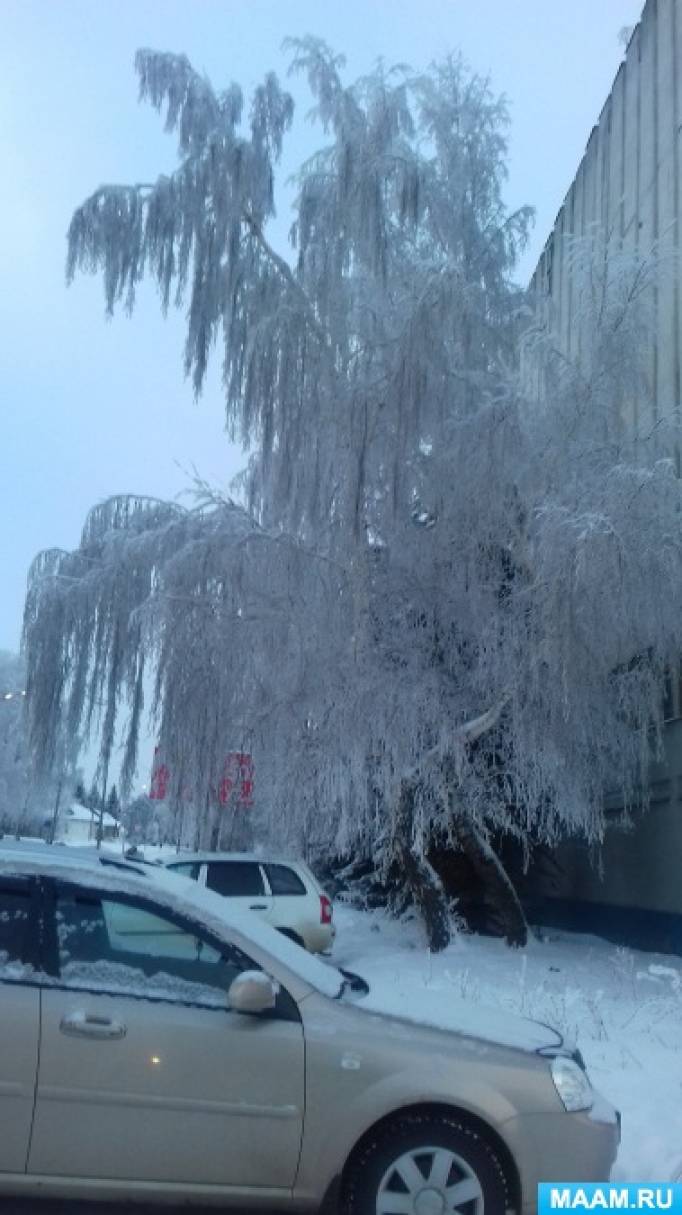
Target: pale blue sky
{"x": 89, "y": 408}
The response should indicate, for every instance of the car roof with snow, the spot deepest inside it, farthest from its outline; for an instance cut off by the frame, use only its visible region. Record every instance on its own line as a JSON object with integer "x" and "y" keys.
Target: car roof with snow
{"x": 65, "y": 855}
{"x": 112, "y": 874}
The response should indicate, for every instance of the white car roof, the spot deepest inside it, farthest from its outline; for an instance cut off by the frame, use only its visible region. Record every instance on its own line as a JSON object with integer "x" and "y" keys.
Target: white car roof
{"x": 254, "y": 857}
{"x": 112, "y": 874}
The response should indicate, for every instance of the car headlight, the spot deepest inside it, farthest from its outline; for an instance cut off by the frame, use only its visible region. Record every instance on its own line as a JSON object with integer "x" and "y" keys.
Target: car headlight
{"x": 572, "y": 1085}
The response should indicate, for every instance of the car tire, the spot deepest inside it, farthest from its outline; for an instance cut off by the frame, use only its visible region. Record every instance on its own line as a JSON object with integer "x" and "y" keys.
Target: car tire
{"x": 293, "y": 936}
{"x": 432, "y": 1164}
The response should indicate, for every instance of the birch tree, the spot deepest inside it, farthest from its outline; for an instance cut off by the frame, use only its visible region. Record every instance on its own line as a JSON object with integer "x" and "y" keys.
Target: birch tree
{"x": 443, "y": 598}
{"x": 14, "y": 765}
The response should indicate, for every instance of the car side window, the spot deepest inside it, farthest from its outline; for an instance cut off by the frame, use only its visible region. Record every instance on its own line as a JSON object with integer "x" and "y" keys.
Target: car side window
{"x": 15, "y": 925}
{"x": 284, "y": 880}
{"x": 235, "y": 878}
{"x": 113, "y": 945}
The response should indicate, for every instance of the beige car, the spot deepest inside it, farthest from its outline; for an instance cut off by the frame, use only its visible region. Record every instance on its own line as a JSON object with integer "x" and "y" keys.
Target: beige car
{"x": 159, "y": 1045}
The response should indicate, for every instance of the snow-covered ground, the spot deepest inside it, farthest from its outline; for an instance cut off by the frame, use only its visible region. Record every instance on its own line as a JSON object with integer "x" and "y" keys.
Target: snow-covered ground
{"x": 622, "y": 1007}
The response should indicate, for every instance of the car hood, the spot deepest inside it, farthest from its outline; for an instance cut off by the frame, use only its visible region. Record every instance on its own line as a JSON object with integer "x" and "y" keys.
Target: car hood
{"x": 493, "y": 1026}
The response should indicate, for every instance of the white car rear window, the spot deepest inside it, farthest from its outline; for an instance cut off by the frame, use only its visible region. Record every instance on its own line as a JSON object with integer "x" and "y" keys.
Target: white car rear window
{"x": 283, "y": 880}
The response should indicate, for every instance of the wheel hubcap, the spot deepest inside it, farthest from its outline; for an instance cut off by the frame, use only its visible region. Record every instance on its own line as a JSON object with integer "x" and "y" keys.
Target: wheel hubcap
{"x": 429, "y": 1181}
{"x": 429, "y": 1202}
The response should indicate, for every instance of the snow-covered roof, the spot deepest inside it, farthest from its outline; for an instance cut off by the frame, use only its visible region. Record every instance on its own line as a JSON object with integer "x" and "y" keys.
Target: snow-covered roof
{"x": 82, "y": 814}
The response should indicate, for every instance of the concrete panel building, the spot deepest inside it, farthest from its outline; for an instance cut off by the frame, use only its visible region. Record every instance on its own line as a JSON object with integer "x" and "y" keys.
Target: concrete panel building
{"x": 628, "y": 187}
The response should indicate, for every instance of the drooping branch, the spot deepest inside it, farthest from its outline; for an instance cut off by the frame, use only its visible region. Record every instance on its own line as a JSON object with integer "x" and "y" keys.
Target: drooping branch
{"x": 470, "y": 731}
{"x": 285, "y": 271}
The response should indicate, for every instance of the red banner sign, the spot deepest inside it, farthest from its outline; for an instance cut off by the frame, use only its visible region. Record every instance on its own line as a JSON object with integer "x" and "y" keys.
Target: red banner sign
{"x": 237, "y": 779}
{"x": 235, "y": 787}
{"x": 158, "y": 786}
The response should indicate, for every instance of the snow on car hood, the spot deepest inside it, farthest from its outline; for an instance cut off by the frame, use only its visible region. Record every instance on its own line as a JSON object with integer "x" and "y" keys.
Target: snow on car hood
{"x": 440, "y": 1010}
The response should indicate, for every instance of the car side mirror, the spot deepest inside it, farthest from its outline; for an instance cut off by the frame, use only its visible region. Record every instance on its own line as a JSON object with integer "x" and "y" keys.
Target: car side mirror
{"x": 252, "y": 992}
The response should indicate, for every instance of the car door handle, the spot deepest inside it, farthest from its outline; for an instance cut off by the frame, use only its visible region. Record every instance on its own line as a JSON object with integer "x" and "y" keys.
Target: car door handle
{"x": 81, "y": 1024}
{"x": 258, "y": 906}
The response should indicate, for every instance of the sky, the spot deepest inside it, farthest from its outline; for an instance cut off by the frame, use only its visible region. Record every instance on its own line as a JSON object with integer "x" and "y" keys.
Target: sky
{"x": 91, "y": 408}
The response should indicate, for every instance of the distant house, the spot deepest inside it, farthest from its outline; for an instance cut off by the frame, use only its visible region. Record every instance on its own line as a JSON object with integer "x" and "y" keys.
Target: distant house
{"x": 78, "y": 825}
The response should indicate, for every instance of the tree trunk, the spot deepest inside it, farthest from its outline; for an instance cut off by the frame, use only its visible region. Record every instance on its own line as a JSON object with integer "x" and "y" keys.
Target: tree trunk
{"x": 55, "y": 812}
{"x": 496, "y": 885}
{"x": 209, "y": 825}
{"x": 418, "y": 874}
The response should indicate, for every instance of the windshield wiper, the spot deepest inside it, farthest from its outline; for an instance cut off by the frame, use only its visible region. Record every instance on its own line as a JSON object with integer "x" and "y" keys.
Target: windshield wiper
{"x": 125, "y": 865}
{"x": 352, "y": 982}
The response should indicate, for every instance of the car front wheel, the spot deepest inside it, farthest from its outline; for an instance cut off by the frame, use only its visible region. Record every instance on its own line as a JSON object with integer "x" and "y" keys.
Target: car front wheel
{"x": 427, "y": 1165}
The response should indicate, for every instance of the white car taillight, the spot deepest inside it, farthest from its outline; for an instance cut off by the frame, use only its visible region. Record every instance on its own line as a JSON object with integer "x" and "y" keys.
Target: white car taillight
{"x": 325, "y": 910}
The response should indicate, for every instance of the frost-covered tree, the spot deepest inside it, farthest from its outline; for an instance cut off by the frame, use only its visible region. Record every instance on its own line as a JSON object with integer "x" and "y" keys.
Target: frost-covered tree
{"x": 444, "y": 604}
{"x": 339, "y": 365}
{"x": 14, "y": 767}
{"x": 27, "y": 798}
{"x": 146, "y": 822}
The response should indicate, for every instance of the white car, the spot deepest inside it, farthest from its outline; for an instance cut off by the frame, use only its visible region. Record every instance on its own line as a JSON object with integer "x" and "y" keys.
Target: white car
{"x": 284, "y": 893}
